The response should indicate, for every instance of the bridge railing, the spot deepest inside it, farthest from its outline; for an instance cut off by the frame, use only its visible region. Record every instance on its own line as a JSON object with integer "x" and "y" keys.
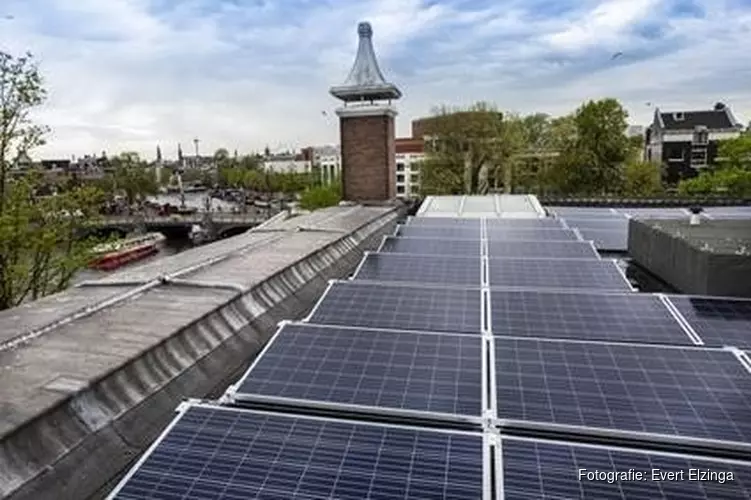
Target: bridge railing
{"x": 223, "y": 217}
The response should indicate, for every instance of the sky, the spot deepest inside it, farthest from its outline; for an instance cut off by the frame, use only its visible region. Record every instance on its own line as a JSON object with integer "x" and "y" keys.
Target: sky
{"x": 128, "y": 75}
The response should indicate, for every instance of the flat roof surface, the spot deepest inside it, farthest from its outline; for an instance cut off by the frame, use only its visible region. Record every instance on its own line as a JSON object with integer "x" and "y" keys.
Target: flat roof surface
{"x": 717, "y": 236}
{"x": 56, "y": 346}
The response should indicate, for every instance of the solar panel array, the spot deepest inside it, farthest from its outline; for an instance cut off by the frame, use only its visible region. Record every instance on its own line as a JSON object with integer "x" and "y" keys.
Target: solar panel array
{"x": 478, "y": 358}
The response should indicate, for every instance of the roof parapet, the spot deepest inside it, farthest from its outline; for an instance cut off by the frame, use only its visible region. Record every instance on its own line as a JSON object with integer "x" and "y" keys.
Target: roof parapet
{"x": 365, "y": 81}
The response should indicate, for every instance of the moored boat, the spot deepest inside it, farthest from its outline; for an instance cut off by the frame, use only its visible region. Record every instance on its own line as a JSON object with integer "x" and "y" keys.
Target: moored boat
{"x": 109, "y": 256}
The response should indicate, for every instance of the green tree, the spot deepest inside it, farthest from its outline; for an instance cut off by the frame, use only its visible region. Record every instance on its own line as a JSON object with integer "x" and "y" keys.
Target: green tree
{"x": 465, "y": 140}
{"x": 321, "y": 196}
{"x": 249, "y": 162}
{"x": 729, "y": 181}
{"x": 134, "y": 181}
{"x": 223, "y": 159}
{"x": 601, "y": 144}
{"x": 40, "y": 236}
{"x": 127, "y": 159}
{"x": 507, "y": 162}
{"x": 736, "y": 152}
{"x": 642, "y": 179}
{"x": 440, "y": 174}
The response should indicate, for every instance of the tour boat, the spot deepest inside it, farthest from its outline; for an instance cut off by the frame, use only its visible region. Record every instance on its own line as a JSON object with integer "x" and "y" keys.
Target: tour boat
{"x": 109, "y": 256}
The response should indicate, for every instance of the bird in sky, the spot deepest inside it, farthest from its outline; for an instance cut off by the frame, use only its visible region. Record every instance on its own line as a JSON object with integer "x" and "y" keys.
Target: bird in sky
{"x": 616, "y": 55}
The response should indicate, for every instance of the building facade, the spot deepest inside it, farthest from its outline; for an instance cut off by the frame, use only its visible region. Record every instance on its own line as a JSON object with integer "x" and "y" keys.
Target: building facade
{"x": 686, "y": 142}
{"x": 328, "y": 161}
{"x": 288, "y": 163}
{"x": 410, "y": 153}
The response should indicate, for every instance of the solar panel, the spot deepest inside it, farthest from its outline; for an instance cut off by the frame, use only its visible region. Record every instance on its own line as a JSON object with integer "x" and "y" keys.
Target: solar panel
{"x": 718, "y": 322}
{"x": 545, "y": 234}
{"x": 421, "y": 269}
{"x": 443, "y": 221}
{"x": 372, "y": 305}
{"x": 552, "y": 273}
{"x": 429, "y": 246}
{"x": 615, "y": 224}
{"x": 308, "y": 364}
{"x": 585, "y": 316}
{"x": 690, "y": 392}
{"x": 545, "y": 470}
{"x": 605, "y": 240}
{"x": 550, "y": 249}
{"x": 211, "y": 452}
{"x": 524, "y": 223}
{"x": 444, "y": 232}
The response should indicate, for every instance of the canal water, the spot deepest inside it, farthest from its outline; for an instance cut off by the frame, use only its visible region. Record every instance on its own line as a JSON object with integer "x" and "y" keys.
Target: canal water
{"x": 169, "y": 246}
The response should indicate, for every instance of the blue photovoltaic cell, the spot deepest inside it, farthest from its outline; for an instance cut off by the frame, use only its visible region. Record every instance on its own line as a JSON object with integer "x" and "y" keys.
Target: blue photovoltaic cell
{"x": 444, "y": 221}
{"x": 585, "y": 316}
{"x": 436, "y": 373}
{"x": 372, "y": 305}
{"x": 552, "y": 234}
{"x": 690, "y": 392}
{"x": 552, "y": 273}
{"x": 431, "y": 246}
{"x": 549, "y": 249}
{"x": 616, "y": 241}
{"x": 549, "y": 223}
{"x": 421, "y": 269}
{"x": 443, "y": 232}
{"x": 539, "y": 470}
{"x": 214, "y": 453}
{"x": 719, "y": 322}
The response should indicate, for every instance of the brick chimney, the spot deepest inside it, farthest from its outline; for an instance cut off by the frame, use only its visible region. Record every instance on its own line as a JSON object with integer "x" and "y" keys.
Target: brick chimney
{"x": 366, "y": 123}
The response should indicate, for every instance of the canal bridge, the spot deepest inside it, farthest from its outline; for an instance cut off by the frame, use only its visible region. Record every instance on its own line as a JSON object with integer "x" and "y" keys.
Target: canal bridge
{"x": 219, "y": 224}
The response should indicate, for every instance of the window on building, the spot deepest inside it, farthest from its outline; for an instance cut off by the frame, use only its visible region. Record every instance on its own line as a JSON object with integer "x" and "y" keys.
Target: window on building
{"x": 414, "y": 178}
{"x": 675, "y": 154}
{"x": 400, "y": 167}
{"x": 399, "y": 189}
{"x": 400, "y": 178}
{"x": 701, "y": 137}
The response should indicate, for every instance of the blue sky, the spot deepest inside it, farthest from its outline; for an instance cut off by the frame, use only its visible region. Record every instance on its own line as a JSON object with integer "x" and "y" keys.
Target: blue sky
{"x": 131, "y": 74}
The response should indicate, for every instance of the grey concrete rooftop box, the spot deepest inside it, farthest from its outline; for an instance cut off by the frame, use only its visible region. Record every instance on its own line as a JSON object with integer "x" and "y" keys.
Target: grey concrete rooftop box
{"x": 89, "y": 376}
{"x": 712, "y": 258}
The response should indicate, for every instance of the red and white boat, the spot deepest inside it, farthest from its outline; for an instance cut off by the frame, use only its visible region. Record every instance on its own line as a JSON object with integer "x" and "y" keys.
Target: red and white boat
{"x": 109, "y": 256}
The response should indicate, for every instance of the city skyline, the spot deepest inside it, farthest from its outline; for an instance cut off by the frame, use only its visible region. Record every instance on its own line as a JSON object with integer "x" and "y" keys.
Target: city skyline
{"x": 130, "y": 74}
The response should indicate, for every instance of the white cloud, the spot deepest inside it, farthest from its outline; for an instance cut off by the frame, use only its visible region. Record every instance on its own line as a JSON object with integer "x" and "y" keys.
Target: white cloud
{"x": 127, "y": 75}
{"x": 604, "y": 24}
